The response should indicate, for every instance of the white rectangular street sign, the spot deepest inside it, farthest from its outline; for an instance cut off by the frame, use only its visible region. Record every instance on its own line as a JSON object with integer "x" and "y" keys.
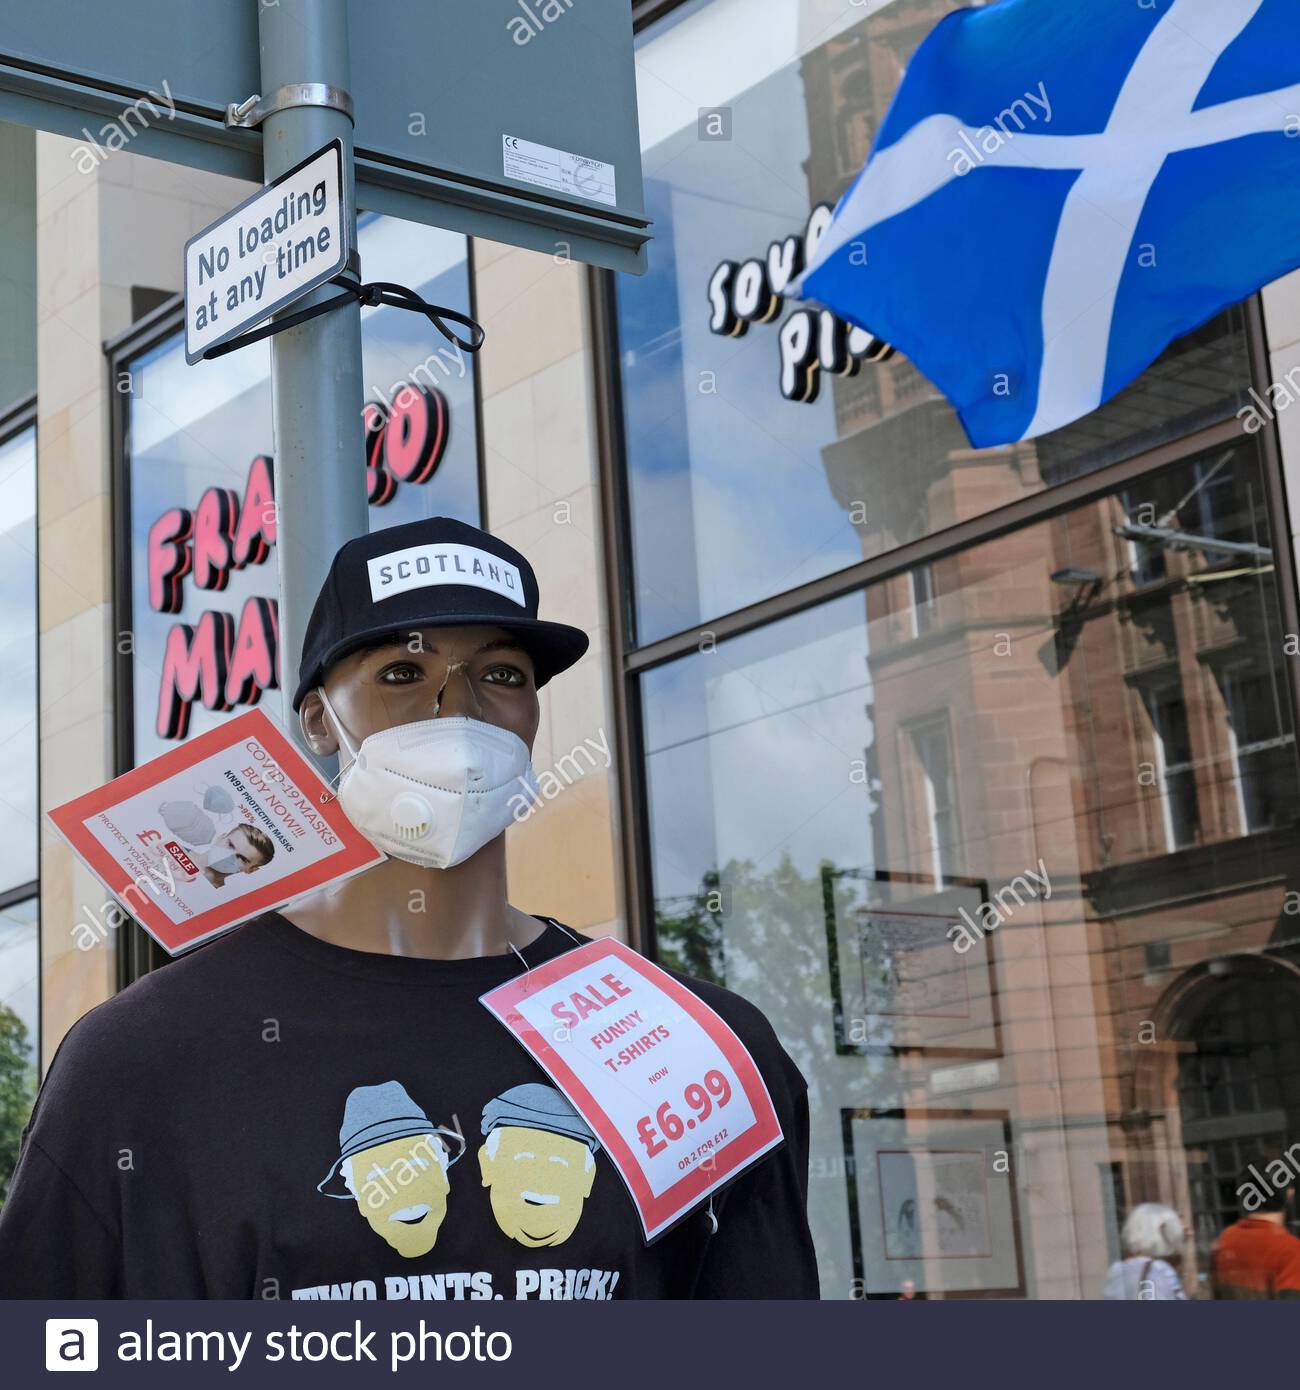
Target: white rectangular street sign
{"x": 267, "y": 252}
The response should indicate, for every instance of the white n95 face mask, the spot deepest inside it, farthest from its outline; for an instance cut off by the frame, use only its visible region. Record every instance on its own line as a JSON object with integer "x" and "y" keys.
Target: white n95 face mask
{"x": 435, "y": 792}
{"x": 219, "y": 801}
{"x": 187, "y": 822}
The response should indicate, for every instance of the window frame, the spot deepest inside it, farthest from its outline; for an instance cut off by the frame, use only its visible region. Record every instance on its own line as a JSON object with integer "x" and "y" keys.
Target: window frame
{"x": 630, "y": 659}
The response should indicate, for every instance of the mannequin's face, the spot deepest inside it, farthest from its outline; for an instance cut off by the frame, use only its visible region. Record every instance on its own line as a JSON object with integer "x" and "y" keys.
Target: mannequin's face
{"x": 480, "y": 672}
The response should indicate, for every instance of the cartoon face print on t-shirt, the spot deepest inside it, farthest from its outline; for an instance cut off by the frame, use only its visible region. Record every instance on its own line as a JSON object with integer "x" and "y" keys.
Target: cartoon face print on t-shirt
{"x": 393, "y": 1160}
{"x": 538, "y": 1162}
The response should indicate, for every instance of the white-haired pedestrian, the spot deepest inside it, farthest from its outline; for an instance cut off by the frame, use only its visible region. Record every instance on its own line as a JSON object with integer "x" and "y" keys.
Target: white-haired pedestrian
{"x": 1153, "y": 1239}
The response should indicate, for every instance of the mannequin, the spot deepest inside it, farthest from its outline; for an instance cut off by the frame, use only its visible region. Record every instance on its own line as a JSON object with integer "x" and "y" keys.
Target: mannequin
{"x": 406, "y": 909}
{"x": 345, "y": 1035}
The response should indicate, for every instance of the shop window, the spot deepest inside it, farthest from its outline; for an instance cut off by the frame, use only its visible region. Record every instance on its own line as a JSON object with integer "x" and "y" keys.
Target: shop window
{"x": 961, "y": 925}
{"x": 19, "y": 793}
{"x": 761, "y": 453}
{"x": 196, "y": 486}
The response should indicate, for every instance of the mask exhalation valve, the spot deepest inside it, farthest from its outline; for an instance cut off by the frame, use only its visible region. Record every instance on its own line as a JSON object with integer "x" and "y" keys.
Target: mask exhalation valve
{"x": 412, "y": 816}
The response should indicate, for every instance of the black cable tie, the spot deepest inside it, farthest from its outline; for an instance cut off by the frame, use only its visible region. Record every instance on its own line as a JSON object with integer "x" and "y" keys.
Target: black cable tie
{"x": 374, "y": 294}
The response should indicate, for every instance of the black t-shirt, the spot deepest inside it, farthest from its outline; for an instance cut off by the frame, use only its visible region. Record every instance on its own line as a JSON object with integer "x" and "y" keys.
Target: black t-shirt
{"x": 275, "y": 1117}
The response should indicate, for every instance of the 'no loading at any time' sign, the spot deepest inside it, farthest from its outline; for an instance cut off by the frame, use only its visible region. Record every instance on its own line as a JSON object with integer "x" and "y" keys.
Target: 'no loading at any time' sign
{"x": 267, "y": 252}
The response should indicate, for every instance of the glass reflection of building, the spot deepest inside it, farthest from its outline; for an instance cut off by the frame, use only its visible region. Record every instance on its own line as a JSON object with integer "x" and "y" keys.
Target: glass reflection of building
{"x": 899, "y": 686}
{"x": 20, "y": 961}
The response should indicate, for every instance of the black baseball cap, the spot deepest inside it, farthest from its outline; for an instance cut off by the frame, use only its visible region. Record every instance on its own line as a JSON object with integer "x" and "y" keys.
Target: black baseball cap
{"x": 438, "y": 572}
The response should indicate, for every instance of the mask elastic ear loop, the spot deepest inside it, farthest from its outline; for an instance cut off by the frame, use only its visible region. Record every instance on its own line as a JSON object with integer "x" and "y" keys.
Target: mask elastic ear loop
{"x": 344, "y": 740}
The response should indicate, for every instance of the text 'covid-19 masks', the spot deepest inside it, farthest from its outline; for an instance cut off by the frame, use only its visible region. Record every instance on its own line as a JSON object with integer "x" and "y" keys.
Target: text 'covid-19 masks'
{"x": 435, "y": 792}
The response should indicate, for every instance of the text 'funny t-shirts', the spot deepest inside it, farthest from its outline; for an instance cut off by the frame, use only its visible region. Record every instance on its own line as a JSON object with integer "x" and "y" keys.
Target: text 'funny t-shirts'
{"x": 278, "y": 1117}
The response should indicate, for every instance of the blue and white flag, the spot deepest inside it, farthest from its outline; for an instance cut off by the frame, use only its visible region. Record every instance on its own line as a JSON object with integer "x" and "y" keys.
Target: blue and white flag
{"x": 1061, "y": 188}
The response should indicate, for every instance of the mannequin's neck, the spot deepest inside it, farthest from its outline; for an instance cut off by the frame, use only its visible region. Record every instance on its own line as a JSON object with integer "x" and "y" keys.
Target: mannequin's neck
{"x": 401, "y": 909}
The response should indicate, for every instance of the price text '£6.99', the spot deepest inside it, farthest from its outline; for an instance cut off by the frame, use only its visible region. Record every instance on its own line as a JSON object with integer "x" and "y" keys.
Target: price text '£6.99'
{"x": 702, "y": 1100}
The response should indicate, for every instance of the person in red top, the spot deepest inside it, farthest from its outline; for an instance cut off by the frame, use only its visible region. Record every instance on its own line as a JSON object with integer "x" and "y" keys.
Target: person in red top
{"x": 1257, "y": 1257}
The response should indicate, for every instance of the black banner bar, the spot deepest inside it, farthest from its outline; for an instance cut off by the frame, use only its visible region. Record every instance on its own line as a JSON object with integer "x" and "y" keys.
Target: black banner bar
{"x": 660, "y": 1346}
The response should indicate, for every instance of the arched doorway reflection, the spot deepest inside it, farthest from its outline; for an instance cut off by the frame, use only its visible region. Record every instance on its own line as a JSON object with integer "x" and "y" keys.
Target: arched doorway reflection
{"x": 1236, "y": 1079}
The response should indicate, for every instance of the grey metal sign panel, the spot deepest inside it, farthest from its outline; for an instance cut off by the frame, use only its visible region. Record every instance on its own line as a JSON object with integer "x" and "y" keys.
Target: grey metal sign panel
{"x": 438, "y": 87}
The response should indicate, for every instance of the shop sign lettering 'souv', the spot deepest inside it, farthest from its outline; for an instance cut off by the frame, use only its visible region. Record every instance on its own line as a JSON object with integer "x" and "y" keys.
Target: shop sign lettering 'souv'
{"x": 811, "y": 341}
{"x": 222, "y": 660}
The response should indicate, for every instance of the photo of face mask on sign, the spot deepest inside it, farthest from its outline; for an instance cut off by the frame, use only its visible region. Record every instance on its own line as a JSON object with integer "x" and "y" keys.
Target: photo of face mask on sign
{"x": 214, "y": 853}
{"x": 241, "y": 850}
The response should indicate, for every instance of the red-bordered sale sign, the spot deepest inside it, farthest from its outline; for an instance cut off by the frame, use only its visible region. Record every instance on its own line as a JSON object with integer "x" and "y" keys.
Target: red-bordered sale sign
{"x": 230, "y": 824}
{"x": 673, "y": 1095}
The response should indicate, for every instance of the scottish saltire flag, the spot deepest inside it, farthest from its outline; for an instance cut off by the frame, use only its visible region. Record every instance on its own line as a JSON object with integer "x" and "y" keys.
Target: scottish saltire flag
{"x": 1062, "y": 187}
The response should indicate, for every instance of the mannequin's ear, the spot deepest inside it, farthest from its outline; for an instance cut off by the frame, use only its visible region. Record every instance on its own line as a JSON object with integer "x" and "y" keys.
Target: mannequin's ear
{"x": 316, "y": 727}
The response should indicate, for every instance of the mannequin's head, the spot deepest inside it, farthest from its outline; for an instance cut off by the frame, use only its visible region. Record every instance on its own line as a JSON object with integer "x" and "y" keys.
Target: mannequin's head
{"x": 479, "y": 671}
{"x": 425, "y": 643}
